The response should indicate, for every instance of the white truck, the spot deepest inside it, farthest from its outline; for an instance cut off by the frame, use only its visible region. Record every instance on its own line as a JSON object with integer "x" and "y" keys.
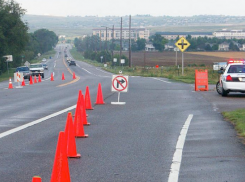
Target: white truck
{"x": 37, "y": 69}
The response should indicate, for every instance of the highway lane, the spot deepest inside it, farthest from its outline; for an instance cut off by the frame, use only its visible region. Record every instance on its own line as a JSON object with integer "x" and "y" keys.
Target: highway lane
{"x": 135, "y": 142}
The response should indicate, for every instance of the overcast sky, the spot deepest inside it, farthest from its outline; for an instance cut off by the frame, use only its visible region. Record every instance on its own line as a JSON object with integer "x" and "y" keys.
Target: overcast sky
{"x": 133, "y": 7}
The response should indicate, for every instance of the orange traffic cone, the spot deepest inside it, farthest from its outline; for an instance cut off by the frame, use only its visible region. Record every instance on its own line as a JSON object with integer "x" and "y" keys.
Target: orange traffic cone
{"x": 99, "y": 99}
{"x": 35, "y": 79}
{"x": 30, "y": 83}
{"x": 78, "y": 123}
{"x": 10, "y": 84}
{"x": 63, "y": 76}
{"x": 88, "y": 104}
{"x": 52, "y": 77}
{"x": 70, "y": 136}
{"x": 74, "y": 76}
{"x": 61, "y": 168}
{"x": 83, "y": 111}
{"x": 36, "y": 179}
{"x": 23, "y": 82}
{"x": 39, "y": 78}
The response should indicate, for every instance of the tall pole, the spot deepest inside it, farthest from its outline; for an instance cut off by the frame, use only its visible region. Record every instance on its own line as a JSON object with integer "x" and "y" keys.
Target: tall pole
{"x": 100, "y": 40}
{"x": 176, "y": 58}
{"x": 112, "y": 42}
{"x": 129, "y": 46}
{"x": 120, "y": 42}
{"x": 144, "y": 58}
{"x": 106, "y": 38}
{"x": 182, "y": 63}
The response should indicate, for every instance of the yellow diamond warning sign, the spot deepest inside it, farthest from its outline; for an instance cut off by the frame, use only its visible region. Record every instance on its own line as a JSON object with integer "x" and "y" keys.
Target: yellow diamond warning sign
{"x": 182, "y": 44}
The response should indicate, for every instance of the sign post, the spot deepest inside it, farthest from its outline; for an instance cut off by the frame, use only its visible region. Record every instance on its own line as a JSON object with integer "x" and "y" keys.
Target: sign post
{"x": 119, "y": 84}
{"x": 182, "y": 44}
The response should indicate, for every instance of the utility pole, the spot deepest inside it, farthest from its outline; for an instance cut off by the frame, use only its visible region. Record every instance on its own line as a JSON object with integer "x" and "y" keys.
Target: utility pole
{"x": 106, "y": 38}
{"x": 120, "y": 42}
{"x": 129, "y": 46}
{"x": 112, "y": 53}
{"x": 100, "y": 40}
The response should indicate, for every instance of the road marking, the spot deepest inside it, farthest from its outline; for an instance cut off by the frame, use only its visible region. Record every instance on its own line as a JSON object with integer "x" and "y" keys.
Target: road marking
{"x": 102, "y": 71}
{"x": 86, "y": 71}
{"x": 176, "y": 162}
{"x": 9, "y": 132}
{"x": 161, "y": 80}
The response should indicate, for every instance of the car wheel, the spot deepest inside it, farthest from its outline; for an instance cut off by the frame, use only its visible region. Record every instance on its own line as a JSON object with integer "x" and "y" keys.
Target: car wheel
{"x": 42, "y": 75}
{"x": 224, "y": 92}
{"x": 218, "y": 88}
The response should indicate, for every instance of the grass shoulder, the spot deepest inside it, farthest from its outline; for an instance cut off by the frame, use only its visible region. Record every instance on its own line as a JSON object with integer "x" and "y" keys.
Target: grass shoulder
{"x": 237, "y": 118}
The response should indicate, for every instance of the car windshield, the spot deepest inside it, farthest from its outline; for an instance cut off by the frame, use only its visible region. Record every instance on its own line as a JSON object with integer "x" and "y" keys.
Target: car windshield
{"x": 44, "y": 65}
{"x": 236, "y": 69}
{"x": 22, "y": 69}
{"x": 35, "y": 66}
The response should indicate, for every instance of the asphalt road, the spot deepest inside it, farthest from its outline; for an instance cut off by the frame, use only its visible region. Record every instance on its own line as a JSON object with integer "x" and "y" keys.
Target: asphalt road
{"x": 134, "y": 142}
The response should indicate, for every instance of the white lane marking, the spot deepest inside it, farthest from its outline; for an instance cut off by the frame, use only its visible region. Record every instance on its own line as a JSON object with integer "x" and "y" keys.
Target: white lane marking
{"x": 102, "y": 71}
{"x": 14, "y": 130}
{"x": 161, "y": 80}
{"x": 87, "y": 71}
{"x": 78, "y": 66}
{"x": 176, "y": 162}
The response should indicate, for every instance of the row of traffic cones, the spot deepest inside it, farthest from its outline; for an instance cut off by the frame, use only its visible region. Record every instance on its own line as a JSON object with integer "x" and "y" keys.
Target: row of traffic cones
{"x": 66, "y": 146}
{"x": 39, "y": 80}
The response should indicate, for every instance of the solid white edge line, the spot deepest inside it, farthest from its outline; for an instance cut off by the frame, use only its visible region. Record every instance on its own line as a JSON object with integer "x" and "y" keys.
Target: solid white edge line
{"x": 14, "y": 130}
{"x": 161, "y": 80}
{"x": 177, "y": 158}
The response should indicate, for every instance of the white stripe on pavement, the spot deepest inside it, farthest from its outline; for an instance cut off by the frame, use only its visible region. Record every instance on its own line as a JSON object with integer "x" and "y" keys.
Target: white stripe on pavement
{"x": 176, "y": 162}
{"x": 161, "y": 80}
{"x": 9, "y": 132}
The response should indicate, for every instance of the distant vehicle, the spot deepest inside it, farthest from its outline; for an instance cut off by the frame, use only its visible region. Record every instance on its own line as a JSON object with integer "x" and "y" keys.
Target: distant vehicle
{"x": 44, "y": 59}
{"x": 66, "y": 55}
{"x": 25, "y": 70}
{"x": 72, "y": 63}
{"x": 37, "y": 69}
{"x": 232, "y": 78}
{"x": 45, "y": 66}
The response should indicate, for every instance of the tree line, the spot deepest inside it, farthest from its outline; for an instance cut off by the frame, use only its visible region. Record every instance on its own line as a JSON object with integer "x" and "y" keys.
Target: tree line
{"x": 15, "y": 39}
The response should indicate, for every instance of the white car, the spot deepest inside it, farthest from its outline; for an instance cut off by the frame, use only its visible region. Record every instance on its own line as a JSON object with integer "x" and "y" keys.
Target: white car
{"x": 232, "y": 79}
{"x": 44, "y": 59}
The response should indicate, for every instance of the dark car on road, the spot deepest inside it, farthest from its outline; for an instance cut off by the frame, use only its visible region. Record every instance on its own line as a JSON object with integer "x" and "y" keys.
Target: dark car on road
{"x": 72, "y": 63}
{"x": 25, "y": 70}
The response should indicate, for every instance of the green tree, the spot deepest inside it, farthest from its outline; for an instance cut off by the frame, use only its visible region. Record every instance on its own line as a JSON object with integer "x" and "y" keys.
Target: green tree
{"x": 13, "y": 32}
{"x": 158, "y": 41}
{"x": 141, "y": 44}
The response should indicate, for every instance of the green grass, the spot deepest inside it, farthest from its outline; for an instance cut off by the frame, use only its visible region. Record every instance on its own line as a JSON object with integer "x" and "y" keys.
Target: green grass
{"x": 237, "y": 118}
{"x": 5, "y": 76}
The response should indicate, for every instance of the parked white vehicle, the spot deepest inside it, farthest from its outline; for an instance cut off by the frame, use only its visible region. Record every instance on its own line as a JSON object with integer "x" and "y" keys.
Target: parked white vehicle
{"x": 232, "y": 78}
{"x": 37, "y": 69}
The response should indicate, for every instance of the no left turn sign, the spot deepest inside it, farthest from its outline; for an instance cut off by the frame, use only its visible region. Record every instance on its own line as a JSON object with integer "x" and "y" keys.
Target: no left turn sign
{"x": 119, "y": 83}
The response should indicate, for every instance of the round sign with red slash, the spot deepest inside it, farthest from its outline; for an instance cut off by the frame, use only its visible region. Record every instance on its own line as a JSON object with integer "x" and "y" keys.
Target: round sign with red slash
{"x": 119, "y": 83}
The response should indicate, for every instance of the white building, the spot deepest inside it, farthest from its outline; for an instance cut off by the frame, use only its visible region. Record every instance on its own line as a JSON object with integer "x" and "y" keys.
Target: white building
{"x": 224, "y": 46}
{"x": 174, "y": 35}
{"x": 149, "y": 47}
{"x": 135, "y": 33}
{"x": 238, "y": 34}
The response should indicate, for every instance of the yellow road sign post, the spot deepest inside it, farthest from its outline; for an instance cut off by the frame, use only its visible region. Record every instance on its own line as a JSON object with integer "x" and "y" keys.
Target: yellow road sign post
{"x": 182, "y": 44}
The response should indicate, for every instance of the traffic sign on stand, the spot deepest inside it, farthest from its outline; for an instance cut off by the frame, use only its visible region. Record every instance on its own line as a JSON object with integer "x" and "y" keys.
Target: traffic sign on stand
{"x": 119, "y": 84}
{"x": 182, "y": 44}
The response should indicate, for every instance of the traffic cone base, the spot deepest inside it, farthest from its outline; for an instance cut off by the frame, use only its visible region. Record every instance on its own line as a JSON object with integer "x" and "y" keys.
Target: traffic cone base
{"x": 84, "y": 136}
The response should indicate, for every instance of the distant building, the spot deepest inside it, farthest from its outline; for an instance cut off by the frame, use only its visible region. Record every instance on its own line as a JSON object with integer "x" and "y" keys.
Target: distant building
{"x": 224, "y": 46}
{"x": 135, "y": 33}
{"x": 174, "y": 35}
{"x": 149, "y": 47}
{"x": 230, "y": 34}
{"x": 170, "y": 46}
